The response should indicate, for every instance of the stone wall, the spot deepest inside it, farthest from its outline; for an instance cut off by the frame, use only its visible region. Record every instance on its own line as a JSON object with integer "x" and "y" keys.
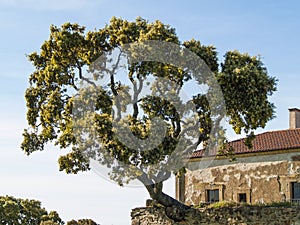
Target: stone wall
{"x": 260, "y": 182}
{"x": 243, "y": 215}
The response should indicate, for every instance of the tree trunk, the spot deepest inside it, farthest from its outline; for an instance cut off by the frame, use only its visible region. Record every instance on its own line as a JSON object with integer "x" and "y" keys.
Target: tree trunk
{"x": 174, "y": 209}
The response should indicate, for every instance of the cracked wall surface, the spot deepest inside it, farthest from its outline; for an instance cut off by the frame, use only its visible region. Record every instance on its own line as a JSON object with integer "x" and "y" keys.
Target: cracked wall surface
{"x": 261, "y": 182}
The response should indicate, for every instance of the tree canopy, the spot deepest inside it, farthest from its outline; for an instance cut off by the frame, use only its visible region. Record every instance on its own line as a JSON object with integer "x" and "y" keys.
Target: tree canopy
{"x": 82, "y": 222}
{"x": 55, "y": 87}
{"x": 14, "y": 211}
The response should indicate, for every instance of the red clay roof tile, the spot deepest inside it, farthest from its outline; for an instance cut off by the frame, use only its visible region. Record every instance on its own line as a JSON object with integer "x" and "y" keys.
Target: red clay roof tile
{"x": 268, "y": 141}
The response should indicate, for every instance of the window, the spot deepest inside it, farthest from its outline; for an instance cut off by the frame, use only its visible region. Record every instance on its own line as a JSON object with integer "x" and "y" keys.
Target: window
{"x": 296, "y": 191}
{"x": 242, "y": 197}
{"x": 213, "y": 195}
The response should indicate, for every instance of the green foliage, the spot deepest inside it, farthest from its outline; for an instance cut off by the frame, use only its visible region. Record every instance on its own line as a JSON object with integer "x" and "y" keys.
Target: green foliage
{"x": 14, "y": 211}
{"x": 239, "y": 204}
{"x": 246, "y": 86}
{"x": 224, "y": 204}
{"x": 59, "y": 67}
{"x": 48, "y": 222}
{"x": 82, "y": 222}
{"x": 201, "y": 205}
{"x": 230, "y": 204}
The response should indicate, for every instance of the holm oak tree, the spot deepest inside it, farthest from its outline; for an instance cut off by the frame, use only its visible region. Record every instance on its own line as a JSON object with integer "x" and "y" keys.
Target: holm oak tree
{"x": 55, "y": 87}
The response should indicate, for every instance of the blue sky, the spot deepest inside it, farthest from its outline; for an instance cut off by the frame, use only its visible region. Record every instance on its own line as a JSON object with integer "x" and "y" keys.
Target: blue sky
{"x": 269, "y": 28}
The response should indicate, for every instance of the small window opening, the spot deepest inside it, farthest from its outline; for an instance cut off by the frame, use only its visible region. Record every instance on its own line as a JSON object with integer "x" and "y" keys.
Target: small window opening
{"x": 242, "y": 197}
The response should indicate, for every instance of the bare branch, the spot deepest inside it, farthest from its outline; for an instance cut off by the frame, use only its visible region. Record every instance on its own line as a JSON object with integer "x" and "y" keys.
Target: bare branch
{"x": 82, "y": 77}
{"x": 73, "y": 84}
{"x": 113, "y": 86}
{"x": 136, "y": 92}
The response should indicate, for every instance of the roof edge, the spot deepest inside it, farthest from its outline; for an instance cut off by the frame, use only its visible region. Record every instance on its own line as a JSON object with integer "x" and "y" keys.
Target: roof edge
{"x": 294, "y": 109}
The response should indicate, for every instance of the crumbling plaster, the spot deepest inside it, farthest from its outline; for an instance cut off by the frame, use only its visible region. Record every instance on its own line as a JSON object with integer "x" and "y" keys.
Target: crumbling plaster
{"x": 262, "y": 181}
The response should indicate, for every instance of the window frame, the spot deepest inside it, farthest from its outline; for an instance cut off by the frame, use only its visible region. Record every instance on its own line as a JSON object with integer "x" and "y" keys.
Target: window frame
{"x": 215, "y": 193}
{"x": 297, "y": 197}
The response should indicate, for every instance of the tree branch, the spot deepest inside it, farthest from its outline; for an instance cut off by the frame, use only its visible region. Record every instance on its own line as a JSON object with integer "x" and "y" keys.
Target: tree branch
{"x": 136, "y": 92}
{"x": 113, "y": 87}
{"x": 82, "y": 77}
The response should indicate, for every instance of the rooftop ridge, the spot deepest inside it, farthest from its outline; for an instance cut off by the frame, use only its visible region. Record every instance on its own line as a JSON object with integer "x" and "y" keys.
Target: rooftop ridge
{"x": 264, "y": 142}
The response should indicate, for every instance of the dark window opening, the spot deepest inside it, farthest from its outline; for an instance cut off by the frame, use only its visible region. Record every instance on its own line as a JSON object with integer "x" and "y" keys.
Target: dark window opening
{"x": 213, "y": 195}
{"x": 242, "y": 197}
{"x": 295, "y": 191}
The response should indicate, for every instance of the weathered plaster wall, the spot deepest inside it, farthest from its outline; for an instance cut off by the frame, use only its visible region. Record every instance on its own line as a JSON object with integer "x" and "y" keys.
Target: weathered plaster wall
{"x": 203, "y": 163}
{"x": 262, "y": 182}
{"x": 222, "y": 216}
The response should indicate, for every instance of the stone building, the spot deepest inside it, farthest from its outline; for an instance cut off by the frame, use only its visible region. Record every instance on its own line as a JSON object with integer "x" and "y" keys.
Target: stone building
{"x": 268, "y": 172}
